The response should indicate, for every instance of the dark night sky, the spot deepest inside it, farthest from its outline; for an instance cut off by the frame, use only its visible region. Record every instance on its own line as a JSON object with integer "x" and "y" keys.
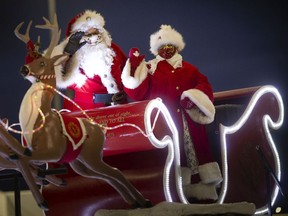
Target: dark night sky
{"x": 236, "y": 43}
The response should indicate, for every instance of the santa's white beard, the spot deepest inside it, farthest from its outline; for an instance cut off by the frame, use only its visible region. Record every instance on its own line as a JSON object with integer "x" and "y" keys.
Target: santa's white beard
{"x": 96, "y": 59}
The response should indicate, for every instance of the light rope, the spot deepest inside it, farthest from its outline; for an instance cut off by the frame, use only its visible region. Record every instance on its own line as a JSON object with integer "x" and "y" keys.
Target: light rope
{"x": 10, "y": 128}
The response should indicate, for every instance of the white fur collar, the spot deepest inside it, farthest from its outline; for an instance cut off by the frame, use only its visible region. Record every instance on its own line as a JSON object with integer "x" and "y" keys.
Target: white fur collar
{"x": 175, "y": 62}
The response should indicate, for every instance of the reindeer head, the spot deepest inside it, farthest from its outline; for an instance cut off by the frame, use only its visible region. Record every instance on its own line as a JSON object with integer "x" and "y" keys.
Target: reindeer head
{"x": 40, "y": 67}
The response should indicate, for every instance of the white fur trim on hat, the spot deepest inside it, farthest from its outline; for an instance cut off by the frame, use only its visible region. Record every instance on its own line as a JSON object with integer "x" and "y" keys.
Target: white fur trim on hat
{"x": 89, "y": 19}
{"x": 203, "y": 103}
{"x": 166, "y": 35}
{"x": 132, "y": 82}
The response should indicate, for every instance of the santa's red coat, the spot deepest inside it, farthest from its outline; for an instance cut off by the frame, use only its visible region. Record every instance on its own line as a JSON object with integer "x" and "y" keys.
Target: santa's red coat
{"x": 84, "y": 94}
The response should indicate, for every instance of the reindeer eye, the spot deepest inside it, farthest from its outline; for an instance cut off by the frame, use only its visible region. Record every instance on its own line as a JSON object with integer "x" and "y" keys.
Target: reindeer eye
{"x": 43, "y": 64}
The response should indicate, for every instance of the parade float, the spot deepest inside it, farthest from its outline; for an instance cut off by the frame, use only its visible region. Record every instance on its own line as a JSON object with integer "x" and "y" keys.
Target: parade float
{"x": 137, "y": 164}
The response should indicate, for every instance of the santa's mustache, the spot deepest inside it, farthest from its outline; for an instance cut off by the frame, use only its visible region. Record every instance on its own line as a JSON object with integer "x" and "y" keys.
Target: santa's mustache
{"x": 92, "y": 39}
{"x": 98, "y": 48}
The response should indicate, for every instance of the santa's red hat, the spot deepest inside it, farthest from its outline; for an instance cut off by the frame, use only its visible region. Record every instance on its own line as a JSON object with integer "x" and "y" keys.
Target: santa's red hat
{"x": 84, "y": 21}
{"x": 166, "y": 35}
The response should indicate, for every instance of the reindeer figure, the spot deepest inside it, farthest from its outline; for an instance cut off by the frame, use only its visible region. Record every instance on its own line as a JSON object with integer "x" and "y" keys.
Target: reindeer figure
{"x": 10, "y": 160}
{"x": 47, "y": 137}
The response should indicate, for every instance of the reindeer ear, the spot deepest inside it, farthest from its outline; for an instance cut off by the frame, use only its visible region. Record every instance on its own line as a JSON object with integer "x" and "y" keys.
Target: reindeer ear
{"x": 59, "y": 59}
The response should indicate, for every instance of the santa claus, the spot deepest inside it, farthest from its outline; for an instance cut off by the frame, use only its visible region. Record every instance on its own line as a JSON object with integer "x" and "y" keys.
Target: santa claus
{"x": 94, "y": 69}
{"x": 188, "y": 95}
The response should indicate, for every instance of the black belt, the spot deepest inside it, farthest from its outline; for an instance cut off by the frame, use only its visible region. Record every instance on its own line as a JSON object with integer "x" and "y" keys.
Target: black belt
{"x": 102, "y": 98}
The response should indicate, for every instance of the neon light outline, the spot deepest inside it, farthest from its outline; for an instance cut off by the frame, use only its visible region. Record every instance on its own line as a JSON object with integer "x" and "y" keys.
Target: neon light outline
{"x": 267, "y": 122}
{"x": 173, "y": 148}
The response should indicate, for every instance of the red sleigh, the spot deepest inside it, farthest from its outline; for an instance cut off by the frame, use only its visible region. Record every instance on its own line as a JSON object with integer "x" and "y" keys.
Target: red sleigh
{"x": 244, "y": 118}
{"x": 142, "y": 142}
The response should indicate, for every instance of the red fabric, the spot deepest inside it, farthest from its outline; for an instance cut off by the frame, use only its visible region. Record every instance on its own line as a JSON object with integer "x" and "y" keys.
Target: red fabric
{"x": 186, "y": 103}
{"x": 95, "y": 86}
{"x": 75, "y": 132}
{"x": 169, "y": 83}
{"x": 167, "y": 51}
{"x": 70, "y": 154}
{"x": 71, "y": 22}
{"x": 24, "y": 142}
{"x": 32, "y": 54}
{"x": 132, "y": 140}
{"x": 73, "y": 128}
{"x": 134, "y": 59}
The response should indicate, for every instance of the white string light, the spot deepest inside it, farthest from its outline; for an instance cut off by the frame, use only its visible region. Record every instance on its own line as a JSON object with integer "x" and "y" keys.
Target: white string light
{"x": 267, "y": 123}
{"x": 101, "y": 125}
{"x": 171, "y": 143}
{"x": 10, "y": 128}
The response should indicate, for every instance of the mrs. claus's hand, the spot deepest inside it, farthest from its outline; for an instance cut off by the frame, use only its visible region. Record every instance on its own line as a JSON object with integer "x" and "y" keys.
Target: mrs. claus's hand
{"x": 135, "y": 57}
{"x": 186, "y": 103}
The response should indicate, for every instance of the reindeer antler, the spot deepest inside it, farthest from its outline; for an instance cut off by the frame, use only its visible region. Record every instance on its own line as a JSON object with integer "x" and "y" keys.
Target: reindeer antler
{"x": 56, "y": 33}
{"x": 23, "y": 37}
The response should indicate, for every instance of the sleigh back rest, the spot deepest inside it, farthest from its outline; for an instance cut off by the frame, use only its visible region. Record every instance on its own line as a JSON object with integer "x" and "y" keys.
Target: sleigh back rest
{"x": 244, "y": 120}
{"x": 229, "y": 105}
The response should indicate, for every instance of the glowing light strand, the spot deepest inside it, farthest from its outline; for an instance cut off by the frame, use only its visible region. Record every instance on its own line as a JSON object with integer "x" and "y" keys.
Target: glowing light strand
{"x": 100, "y": 125}
{"x": 172, "y": 143}
{"x": 267, "y": 123}
{"x": 10, "y": 128}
